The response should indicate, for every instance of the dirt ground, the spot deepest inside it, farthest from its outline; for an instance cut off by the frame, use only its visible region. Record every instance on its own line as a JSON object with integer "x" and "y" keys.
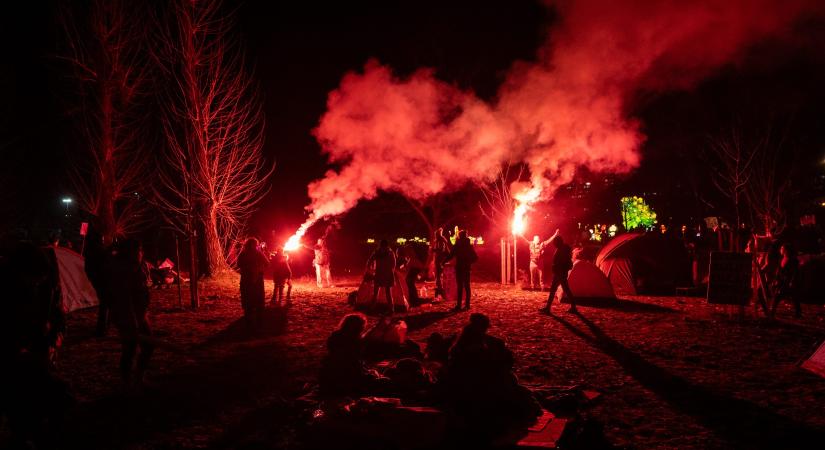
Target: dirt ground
{"x": 674, "y": 372}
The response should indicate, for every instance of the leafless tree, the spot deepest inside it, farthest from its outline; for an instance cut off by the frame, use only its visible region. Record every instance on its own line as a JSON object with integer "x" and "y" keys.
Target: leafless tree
{"x": 105, "y": 49}
{"x": 731, "y": 163}
{"x": 770, "y": 186}
{"x": 214, "y": 172}
{"x": 498, "y": 203}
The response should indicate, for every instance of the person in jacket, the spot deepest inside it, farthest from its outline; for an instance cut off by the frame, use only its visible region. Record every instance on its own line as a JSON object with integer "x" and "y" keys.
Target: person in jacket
{"x": 383, "y": 260}
{"x": 252, "y": 264}
{"x": 281, "y": 277}
{"x": 440, "y": 249}
{"x": 465, "y": 256}
{"x": 562, "y": 263}
{"x": 129, "y": 309}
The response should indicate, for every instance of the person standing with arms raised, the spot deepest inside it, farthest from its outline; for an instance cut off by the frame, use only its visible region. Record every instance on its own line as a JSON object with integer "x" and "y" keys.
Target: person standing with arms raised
{"x": 562, "y": 263}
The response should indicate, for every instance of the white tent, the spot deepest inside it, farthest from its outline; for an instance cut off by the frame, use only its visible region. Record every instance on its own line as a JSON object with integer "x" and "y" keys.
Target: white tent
{"x": 77, "y": 291}
{"x": 587, "y": 281}
{"x": 363, "y": 299}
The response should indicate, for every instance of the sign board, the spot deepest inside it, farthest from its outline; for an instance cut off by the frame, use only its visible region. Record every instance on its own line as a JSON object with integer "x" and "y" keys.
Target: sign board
{"x": 816, "y": 363}
{"x": 729, "y": 279}
{"x": 84, "y": 228}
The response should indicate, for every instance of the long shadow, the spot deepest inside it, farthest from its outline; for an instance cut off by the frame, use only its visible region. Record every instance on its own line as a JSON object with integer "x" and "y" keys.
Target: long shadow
{"x": 623, "y": 305}
{"x": 192, "y": 394}
{"x": 425, "y": 319}
{"x": 274, "y": 324}
{"x": 745, "y": 423}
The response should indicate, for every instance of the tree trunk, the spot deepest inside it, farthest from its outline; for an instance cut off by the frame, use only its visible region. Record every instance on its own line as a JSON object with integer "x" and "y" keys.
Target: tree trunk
{"x": 215, "y": 259}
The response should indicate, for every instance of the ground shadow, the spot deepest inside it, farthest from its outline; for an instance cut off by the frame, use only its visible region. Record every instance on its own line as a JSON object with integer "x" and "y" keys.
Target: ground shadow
{"x": 425, "y": 319}
{"x": 274, "y": 324}
{"x": 195, "y": 393}
{"x": 744, "y": 423}
{"x": 622, "y": 305}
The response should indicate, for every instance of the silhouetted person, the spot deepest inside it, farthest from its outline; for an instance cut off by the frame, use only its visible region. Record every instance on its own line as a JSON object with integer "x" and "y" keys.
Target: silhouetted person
{"x": 281, "y": 277}
{"x": 97, "y": 259}
{"x": 321, "y": 263}
{"x": 252, "y": 264}
{"x": 384, "y": 260}
{"x": 465, "y": 256}
{"x": 481, "y": 385}
{"x": 786, "y": 280}
{"x": 32, "y": 323}
{"x": 342, "y": 370}
{"x": 414, "y": 266}
{"x": 441, "y": 252}
{"x": 562, "y": 263}
{"x": 129, "y": 308}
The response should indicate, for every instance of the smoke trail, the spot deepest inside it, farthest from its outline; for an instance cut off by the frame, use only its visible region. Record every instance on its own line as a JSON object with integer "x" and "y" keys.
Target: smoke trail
{"x": 566, "y": 110}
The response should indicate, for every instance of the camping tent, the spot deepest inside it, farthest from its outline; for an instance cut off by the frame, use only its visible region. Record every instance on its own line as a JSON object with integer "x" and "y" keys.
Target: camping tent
{"x": 587, "y": 281}
{"x": 645, "y": 263}
{"x": 363, "y": 298}
{"x": 77, "y": 291}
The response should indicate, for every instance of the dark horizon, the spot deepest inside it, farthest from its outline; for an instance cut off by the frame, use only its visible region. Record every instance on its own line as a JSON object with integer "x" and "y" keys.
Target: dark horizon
{"x": 300, "y": 54}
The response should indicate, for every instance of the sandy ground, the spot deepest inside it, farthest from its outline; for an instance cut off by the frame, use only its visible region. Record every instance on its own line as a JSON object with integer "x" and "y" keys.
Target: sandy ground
{"x": 674, "y": 372}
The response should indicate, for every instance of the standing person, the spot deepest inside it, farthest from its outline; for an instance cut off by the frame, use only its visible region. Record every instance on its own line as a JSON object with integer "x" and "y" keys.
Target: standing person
{"x": 465, "y": 256}
{"x": 96, "y": 263}
{"x": 536, "y": 256}
{"x": 441, "y": 252}
{"x": 32, "y": 322}
{"x": 786, "y": 280}
{"x": 384, "y": 260}
{"x": 321, "y": 262}
{"x": 252, "y": 264}
{"x": 129, "y": 308}
{"x": 562, "y": 263}
{"x": 281, "y": 276}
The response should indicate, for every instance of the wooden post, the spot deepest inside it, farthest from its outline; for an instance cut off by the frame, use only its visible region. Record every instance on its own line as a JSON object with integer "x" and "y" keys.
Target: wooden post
{"x": 509, "y": 264}
{"x": 177, "y": 261}
{"x": 515, "y": 261}
{"x": 503, "y": 263}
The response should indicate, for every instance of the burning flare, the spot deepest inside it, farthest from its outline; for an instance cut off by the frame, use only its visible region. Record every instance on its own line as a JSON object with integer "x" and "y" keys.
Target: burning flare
{"x": 294, "y": 241}
{"x": 525, "y": 196}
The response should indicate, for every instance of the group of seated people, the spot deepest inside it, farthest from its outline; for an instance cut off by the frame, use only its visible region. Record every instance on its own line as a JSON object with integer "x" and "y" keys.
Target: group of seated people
{"x": 470, "y": 377}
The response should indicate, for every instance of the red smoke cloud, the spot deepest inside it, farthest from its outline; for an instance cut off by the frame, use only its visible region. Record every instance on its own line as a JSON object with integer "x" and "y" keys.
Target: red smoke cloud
{"x": 568, "y": 109}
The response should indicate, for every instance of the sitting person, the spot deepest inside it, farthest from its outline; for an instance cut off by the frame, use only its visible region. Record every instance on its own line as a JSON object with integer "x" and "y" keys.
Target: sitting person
{"x": 342, "y": 370}
{"x": 481, "y": 387}
{"x": 388, "y": 340}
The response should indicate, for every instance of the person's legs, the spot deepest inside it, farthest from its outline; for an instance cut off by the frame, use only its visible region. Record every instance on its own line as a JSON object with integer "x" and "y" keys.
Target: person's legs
{"x": 146, "y": 350}
{"x": 375, "y": 288}
{"x": 534, "y": 275}
{"x": 467, "y": 289}
{"x": 318, "y": 280}
{"x": 128, "y": 349}
{"x": 554, "y": 286}
{"x": 288, "y": 291}
{"x": 439, "y": 287}
{"x": 389, "y": 299}
{"x": 460, "y": 287}
{"x": 566, "y": 289}
{"x": 102, "y": 316}
{"x": 327, "y": 276}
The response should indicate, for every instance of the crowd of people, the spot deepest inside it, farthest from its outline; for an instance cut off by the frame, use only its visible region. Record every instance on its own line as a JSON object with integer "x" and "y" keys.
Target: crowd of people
{"x": 470, "y": 376}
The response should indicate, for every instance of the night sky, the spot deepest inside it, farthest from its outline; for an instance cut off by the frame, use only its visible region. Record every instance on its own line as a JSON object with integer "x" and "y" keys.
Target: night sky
{"x": 301, "y": 51}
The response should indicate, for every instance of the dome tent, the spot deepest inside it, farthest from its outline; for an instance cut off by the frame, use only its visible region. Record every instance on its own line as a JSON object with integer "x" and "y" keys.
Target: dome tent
{"x": 645, "y": 263}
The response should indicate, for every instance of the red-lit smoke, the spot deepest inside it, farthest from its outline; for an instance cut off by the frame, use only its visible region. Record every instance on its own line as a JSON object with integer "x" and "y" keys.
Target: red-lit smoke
{"x": 567, "y": 109}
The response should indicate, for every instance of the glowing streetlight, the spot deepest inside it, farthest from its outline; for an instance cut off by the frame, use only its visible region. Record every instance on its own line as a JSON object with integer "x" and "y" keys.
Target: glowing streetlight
{"x": 67, "y": 201}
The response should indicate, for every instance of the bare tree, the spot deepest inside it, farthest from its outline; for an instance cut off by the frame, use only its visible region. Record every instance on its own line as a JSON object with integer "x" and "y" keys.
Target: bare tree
{"x": 110, "y": 72}
{"x": 770, "y": 186}
{"x": 498, "y": 203}
{"x": 731, "y": 163}
{"x": 214, "y": 171}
